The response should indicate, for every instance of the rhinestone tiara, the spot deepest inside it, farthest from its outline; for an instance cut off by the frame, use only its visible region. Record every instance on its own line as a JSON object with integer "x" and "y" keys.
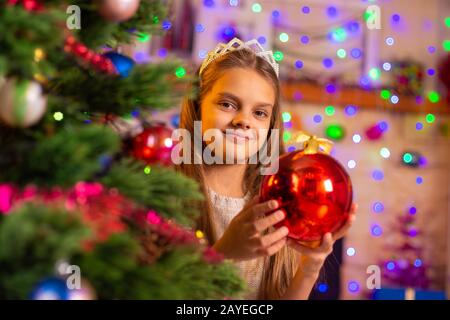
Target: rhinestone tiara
{"x": 237, "y": 44}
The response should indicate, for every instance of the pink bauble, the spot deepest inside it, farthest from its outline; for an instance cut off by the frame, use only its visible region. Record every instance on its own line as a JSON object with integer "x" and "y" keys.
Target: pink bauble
{"x": 118, "y": 10}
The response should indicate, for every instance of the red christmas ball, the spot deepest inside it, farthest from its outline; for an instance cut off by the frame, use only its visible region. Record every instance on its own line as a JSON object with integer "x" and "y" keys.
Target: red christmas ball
{"x": 154, "y": 145}
{"x": 315, "y": 192}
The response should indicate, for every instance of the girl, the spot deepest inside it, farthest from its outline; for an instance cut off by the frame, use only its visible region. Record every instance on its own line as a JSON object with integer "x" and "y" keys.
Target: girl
{"x": 238, "y": 88}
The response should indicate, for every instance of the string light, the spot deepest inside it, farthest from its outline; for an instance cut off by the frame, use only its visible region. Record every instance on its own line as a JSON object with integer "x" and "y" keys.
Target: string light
{"x": 387, "y": 66}
{"x": 284, "y": 37}
{"x": 446, "y": 45}
{"x": 341, "y": 53}
{"x": 304, "y": 39}
{"x": 317, "y": 118}
{"x": 419, "y": 180}
{"x": 180, "y": 72}
{"x": 433, "y": 96}
{"x": 353, "y": 286}
{"x": 323, "y": 287}
{"x": 351, "y": 164}
{"x": 447, "y": 22}
{"x": 375, "y": 73}
{"x": 356, "y": 138}
{"x": 376, "y": 230}
{"x": 350, "y": 110}
{"x": 286, "y": 116}
{"x": 351, "y": 251}
{"x": 419, "y": 126}
{"x": 329, "y": 110}
{"x": 430, "y": 118}
{"x": 38, "y": 54}
{"x": 332, "y": 12}
{"x": 330, "y": 88}
{"x": 385, "y": 153}
{"x": 58, "y": 116}
{"x": 377, "y": 175}
{"x": 166, "y": 25}
{"x": 390, "y": 265}
{"x": 389, "y": 41}
{"x": 256, "y": 8}
{"x": 356, "y": 53}
{"x": 378, "y": 207}
{"x": 287, "y": 136}
{"x": 278, "y": 55}
{"x": 335, "y": 131}
{"x": 385, "y": 94}
{"x": 199, "y": 27}
{"x": 394, "y": 99}
{"x": 327, "y": 63}
{"x": 299, "y": 64}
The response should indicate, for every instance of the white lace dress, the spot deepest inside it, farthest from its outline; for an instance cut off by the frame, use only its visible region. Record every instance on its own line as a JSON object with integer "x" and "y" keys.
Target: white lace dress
{"x": 224, "y": 210}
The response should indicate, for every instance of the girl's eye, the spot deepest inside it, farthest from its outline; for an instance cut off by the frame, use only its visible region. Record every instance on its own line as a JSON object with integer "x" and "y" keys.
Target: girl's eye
{"x": 227, "y": 105}
{"x": 261, "y": 114}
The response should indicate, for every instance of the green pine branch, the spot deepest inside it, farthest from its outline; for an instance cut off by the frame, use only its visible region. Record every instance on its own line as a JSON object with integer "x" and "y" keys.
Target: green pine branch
{"x": 32, "y": 239}
{"x": 170, "y": 193}
{"x": 68, "y": 156}
{"x": 23, "y": 32}
{"x": 150, "y": 86}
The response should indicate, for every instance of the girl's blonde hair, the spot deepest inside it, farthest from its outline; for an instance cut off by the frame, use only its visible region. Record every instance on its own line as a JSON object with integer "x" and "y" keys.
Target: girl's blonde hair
{"x": 278, "y": 269}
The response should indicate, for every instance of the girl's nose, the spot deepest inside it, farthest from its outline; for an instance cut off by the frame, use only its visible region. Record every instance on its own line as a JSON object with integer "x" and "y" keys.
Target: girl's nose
{"x": 241, "y": 121}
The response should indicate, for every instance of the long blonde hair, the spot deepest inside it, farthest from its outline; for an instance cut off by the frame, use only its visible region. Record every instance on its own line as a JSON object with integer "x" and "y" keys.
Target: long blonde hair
{"x": 279, "y": 268}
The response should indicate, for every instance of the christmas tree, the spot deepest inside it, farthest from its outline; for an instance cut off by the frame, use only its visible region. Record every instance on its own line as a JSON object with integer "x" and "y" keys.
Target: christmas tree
{"x": 405, "y": 267}
{"x": 75, "y": 194}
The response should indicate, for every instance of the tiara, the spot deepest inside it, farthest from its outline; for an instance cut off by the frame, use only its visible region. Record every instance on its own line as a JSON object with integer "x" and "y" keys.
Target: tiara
{"x": 237, "y": 44}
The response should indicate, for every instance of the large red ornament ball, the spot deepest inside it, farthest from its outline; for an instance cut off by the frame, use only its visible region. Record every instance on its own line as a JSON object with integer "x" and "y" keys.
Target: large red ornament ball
{"x": 154, "y": 145}
{"x": 315, "y": 192}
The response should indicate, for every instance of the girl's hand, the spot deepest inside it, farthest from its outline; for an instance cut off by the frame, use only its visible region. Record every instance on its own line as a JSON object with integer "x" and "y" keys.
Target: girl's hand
{"x": 243, "y": 239}
{"x": 312, "y": 259}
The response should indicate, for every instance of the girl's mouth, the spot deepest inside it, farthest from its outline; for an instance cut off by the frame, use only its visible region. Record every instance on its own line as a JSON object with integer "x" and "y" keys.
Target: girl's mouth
{"x": 238, "y": 137}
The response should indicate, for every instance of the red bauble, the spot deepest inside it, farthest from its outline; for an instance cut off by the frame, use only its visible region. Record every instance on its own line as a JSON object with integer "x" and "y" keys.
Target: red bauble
{"x": 154, "y": 145}
{"x": 315, "y": 192}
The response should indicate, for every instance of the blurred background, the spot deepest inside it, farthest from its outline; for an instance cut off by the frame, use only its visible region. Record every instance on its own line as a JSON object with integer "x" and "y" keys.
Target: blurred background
{"x": 373, "y": 76}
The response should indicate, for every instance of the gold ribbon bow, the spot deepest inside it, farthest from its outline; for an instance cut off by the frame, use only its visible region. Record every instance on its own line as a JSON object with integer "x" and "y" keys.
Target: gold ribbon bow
{"x": 310, "y": 143}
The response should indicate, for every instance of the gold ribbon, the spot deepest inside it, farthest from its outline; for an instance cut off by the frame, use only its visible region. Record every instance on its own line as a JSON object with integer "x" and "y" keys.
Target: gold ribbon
{"x": 310, "y": 143}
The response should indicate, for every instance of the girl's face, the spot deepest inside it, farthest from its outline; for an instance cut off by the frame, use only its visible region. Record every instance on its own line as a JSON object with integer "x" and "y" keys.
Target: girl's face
{"x": 241, "y": 100}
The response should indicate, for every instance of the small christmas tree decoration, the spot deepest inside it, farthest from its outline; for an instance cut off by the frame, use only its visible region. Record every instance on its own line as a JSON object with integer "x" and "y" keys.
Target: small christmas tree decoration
{"x": 154, "y": 145}
{"x": 118, "y": 10}
{"x": 87, "y": 56}
{"x": 314, "y": 190}
{"x": 122, "y": 64}
{"x": 22, "y": 103}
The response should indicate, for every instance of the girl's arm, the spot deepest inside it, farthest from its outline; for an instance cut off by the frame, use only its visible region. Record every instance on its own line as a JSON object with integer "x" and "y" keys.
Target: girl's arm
{"x": 311, "y": 261}
{"x": 301, "y": 286}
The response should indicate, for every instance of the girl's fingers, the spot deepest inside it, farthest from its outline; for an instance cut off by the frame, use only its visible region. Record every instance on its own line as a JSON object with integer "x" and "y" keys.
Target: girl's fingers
{"x": 274, "y": 248}
{"x": 343, "y": 230}
{"x": 325, "y": 247}
{"x": 298, "y": 247}
{"x": 327, "y": 243}
{"x": 263, "y": 223}
{"x": 255, "y": 211}
{"x": 270, "y": 239}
